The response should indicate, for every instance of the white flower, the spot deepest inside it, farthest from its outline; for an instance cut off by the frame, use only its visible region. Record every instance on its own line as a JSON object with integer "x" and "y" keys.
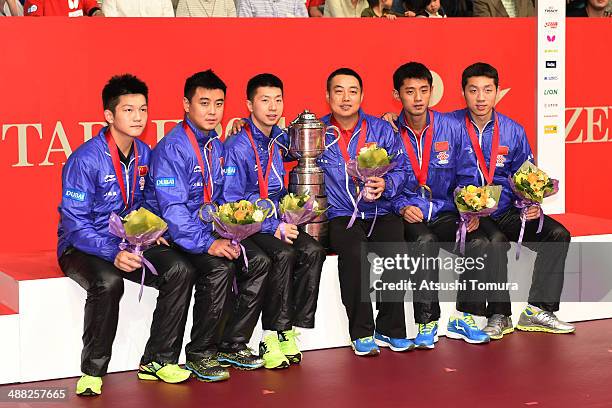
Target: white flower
{"x": 258, "y": 216}
{"x": 490, "y": 202}
{"x": 315, "y": 205}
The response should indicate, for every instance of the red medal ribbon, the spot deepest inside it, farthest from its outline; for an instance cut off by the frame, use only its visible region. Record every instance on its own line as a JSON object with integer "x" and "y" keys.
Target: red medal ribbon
{"x": 261, "y": 176}
{"x": 196, "y": 149}
{"x": 420, "y": 171}
{"x": 488, "y": 174}
{"x": 114, "y": 152}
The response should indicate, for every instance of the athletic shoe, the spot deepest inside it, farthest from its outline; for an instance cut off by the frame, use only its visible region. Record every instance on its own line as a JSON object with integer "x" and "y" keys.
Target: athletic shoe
{"x": 497, "y": 326}
{"x": 365, "y": 346}
{"x": 270, "y": 351}
{"x": 88, "y": 386}
{"x": 170, "y": 373}
{"x": 289, "y": 347}
{"x": 427, "y": 335}
{"x": 464, "y": 328}
{"x": 242, "y": 360}
{"x": 534, "y": 319}
{"x": 208, "y": 369}
{"x": 395, "y": 344}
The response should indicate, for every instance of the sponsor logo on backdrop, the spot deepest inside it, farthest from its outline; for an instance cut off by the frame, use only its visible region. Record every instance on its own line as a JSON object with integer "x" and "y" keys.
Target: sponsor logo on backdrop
{"x": 551, "y": 51}
{"x": 551, "y": 38}
{"x": 551, "y": 64}
{"x": 551, "y": 105}
{"x": 551, "y": 24}
{"x": 551, "y": 10}
{"x": 551, "y": 92}
{"x": 550, "y": 129}
{"x": 551, "y": 78}
{"x": 589, "y": 124}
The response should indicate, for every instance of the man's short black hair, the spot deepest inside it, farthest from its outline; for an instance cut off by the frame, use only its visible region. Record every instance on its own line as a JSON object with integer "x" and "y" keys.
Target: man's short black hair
{"x": 343, "y": 71}
{"x": 414, "y": 70}
{"x": 479, "y": 69}
{"x": 262, "y": 80}
{"x": 126, "y": 84}
{"x": 205, "y": 79}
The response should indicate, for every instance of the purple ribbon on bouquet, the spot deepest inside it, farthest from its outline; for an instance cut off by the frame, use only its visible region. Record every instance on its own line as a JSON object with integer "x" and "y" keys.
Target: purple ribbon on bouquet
{"x": 464, "y": 220}
{"x": 524, "y": 203}
{"x": 135, "y": 244}
{"x": 362, "y": 174}
{"x": 138, "y": 250}
{"x": 524, "y": 206}
{"x": 236, "y": 233}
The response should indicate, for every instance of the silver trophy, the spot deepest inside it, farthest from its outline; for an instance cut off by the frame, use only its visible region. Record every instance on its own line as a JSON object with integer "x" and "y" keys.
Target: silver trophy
{"x": 307, "y": 143}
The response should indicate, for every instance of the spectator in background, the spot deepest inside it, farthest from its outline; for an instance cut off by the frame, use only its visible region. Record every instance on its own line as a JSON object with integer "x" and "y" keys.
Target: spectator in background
{"x": 10, "y": 8}
{"x": 274, "y": 8}
{"x": 504, "y": 8}
{"x": 65, "y": 8}
{"x": 431, "y": 9}
{"x": 381, "y": 8}
{"x": 592, "y": 8}
{"x": 344, "y": 8}
{"x": 206, "y": 8}
{"x": 138, "y": 8}
{"x": 315, "y": 7}
{"x": 457, "y": 8}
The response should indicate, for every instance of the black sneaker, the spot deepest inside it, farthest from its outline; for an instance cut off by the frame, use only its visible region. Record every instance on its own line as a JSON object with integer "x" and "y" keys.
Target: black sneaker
{"x": 243, "y": 359}
{"x": 208, "y": 369}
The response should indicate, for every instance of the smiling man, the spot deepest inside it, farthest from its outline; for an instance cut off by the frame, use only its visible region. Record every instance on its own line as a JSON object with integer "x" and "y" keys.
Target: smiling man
{"x": 254, "y": 171}
{"x": 500, "y": 147}
{"x": 375, "y": 221}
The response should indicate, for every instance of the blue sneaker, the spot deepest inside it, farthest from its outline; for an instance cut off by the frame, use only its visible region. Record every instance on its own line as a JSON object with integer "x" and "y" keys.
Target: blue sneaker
{"x": 465, "y": 328}
{"x": 395, "y": 344}
{"x": 427, "y": 336}
{"x": 365, "y": 346}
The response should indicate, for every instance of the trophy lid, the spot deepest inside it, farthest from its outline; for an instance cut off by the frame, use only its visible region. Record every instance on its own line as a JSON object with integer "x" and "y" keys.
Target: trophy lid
{"x": 307, "y": 120}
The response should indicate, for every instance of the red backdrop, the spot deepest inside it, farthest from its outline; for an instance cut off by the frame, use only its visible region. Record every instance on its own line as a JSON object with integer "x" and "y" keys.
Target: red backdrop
{"x": 588, "y": 117}
{"x": 53, "y": 70}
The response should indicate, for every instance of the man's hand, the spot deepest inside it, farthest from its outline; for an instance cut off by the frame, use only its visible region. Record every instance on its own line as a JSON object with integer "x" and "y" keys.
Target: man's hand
{"x": 412, "y": 214}
{"x": 291, "y": 232}
{"x": 390, "y": 16}
{"x": 391, "y": 118}
{"x": 223, "y": 248}
{"x": 473, "y": 224}
{"x": 533, "y": 213}
{"x": 162, "y": 241}
{"x": 237, "y": 126}
{"x": 127, "y": 262}
{"x": 410, "y": 14}
{"x": 375, "y": 187}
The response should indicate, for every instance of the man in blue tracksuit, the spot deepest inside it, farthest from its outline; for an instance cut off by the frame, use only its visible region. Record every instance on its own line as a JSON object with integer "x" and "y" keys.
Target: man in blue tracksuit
{"x": 439, "y": 156}
{"x": 483, "y": 126}
{"x": 186, "y": 180}
{"x": 344, "y": 95}
{"x": 254, "y": 171}
{"x": 106, "y": 175}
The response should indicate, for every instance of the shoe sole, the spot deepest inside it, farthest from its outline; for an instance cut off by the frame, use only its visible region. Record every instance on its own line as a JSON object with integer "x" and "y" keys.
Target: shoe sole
{"x": 148, "y": 376}
{"x": 457, "y": 336}
{"x": 428, "y": 346}
{"x": 382, "y": 343}
{"x": 371, "y": 353}
{"x": 504, "y": 332}
{"x": 543, "y": 329}
{"x": 237, "y": 365}
{"x": 284, "y": 364}
{"x": 88, "y": 393}
{"x": 205, "y": 378}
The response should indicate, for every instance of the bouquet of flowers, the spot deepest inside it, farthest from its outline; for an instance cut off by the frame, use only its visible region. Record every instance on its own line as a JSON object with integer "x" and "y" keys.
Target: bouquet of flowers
{"x": 473, "y": 201}
{"x": 139, "y": 230}
{"x": 298, "y": 209}
{"x": 531, "y": 185}
{"x": 372, "y": 161}
{"x": 239, "y": 220}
